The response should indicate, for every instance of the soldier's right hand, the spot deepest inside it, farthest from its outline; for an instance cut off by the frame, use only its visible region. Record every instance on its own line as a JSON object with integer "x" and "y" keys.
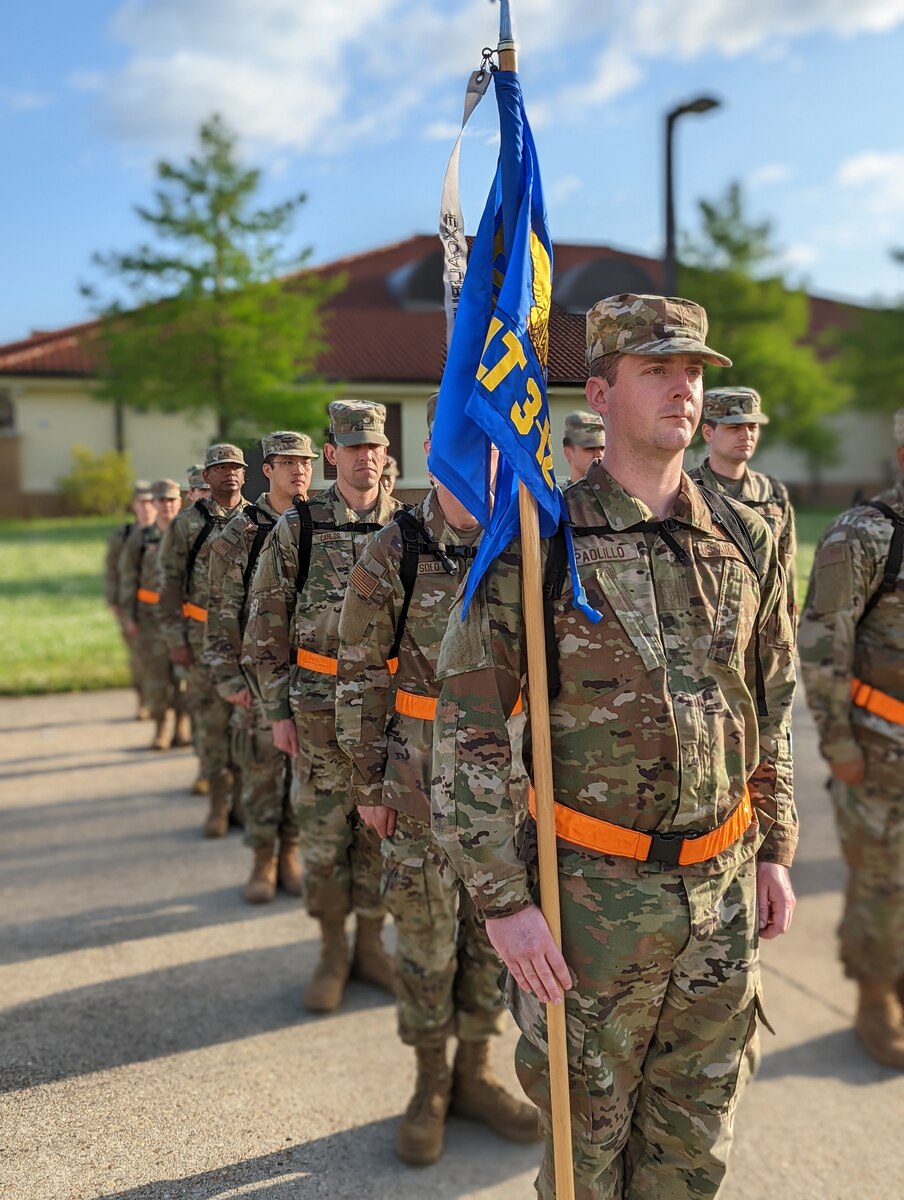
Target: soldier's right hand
{"x": 379, "y": 817}
{"x": 851, "y": 773}
{"x": 285, "y": 737}
{"x": 526, "y": 946}
{"x": 131, "y": 629}
{"x": 182, "y": 656}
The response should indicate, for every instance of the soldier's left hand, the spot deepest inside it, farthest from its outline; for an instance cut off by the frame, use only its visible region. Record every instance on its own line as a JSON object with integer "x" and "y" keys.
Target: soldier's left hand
{"x": 775, "y": 899}
{"x": 240, "y": 699}
{"x": 379, "y": 817}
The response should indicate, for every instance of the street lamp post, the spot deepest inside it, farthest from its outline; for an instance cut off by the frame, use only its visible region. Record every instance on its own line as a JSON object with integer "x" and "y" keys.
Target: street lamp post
{"x": 669, "y": 266}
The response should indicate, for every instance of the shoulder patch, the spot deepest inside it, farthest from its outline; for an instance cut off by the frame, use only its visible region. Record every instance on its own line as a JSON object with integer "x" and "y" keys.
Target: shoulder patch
{"x": 834, "y": 552}
{"x": 363, "y": 581}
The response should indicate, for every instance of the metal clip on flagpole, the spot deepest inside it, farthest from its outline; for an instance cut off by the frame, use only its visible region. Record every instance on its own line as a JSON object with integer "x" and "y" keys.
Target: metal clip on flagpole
{"x": 541, "y": 755}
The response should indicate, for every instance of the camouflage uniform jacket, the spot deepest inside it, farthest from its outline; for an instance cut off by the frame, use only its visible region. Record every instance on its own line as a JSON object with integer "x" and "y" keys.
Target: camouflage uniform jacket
{"x": 391, "y": 752}
{"x": 770, "y": 499}
{"x": 655, "y": 725}
{"x": 111, "y": 562}
{"x": 173, "y": 559}
{"x": 836, "y": 645}
{"x": 138, "y": 568}
{"x": 278, "y": 624}
{"x": 227, "y": 604}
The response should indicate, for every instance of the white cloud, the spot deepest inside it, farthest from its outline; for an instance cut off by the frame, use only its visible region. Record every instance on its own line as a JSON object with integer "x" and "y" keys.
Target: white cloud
{"x": 878, "y": 177}
{"x": 560, "y": 189}
{"x": 29, "y": 101}
{"x": 800, "y": 256}
{"x": 769, "y": 174}
{"x": 319, "y": 75}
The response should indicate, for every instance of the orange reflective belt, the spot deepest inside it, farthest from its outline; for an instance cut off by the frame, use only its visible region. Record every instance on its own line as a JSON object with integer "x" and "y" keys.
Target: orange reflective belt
{"x": 424, "y": 707}
{"x": 317, "y": 662}
{"x": 590, "y": 833}
{"x": 879, "y": 703}
{"x": 194, "y": 612}
{"x": 147, "y": 597}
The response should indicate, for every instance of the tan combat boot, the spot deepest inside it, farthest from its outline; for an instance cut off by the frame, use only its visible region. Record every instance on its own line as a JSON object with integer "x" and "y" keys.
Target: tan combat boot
{"x": 216, "y": 824}
{"x": 183, "y": 730}
{"x": 288, "y": 867}
{"x": 163, "y": 733}
{"x": 143, "y": 714}
{"x": 477, "y": 1095}
{"x": 370, "y": 962}
{"x": 419, "y": 1135}
{"x": 261, "y": 885}
{"x": 879, "y": 1022}
{"x": 326, "y": 985}
{"x": 200, "y": 787}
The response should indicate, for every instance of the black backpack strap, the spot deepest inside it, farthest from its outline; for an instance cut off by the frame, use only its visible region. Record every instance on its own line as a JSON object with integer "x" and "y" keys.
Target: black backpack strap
{"x": 895, "y": 555}
{"x": 416, "y": 541}
{"x": 263, "y": 523}
{"x": 306, "y": 528}
{"x": 199, "y": 541}
{"x": 554, "y": 574}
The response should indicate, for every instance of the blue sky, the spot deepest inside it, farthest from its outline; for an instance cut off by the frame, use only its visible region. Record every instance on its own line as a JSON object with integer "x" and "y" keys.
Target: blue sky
{"x": 356, "y": 103}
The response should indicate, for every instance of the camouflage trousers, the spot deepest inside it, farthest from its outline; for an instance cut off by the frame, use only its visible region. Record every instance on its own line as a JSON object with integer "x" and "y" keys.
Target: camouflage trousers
{"x": 447, "y": 973}
{"x": 136, "y": 664}
{"x": 161, "y": 689}
{"x": 664, "y": 1005}
{"x": 870, "y": 822}
{"x": 211, "y": 718}
{"x": 340, "y": 856}
{"x": 266, "y": 780}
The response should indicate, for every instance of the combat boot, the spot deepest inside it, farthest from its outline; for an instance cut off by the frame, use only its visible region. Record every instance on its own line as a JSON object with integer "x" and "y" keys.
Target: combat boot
{"x": 419, "y": 1135}
{"x": 261, "y": 885}
{"x": 288, "y": 867}
{"x": 370, "y": 962}
{"x": 200, "y": 787}
{"x": 477, "y": 1095}
{"x": 183, "y": 730}
{"x": 879, "y": 1022}
{"x": 326, "y": 985}
{"x": 163, "y": 734}
{"x": 216, "y": 823}
{"x": 143, "y": 714}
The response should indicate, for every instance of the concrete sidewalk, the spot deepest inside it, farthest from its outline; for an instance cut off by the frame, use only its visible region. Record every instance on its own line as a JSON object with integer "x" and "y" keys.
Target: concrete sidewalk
{"x": 153, "y": 1046}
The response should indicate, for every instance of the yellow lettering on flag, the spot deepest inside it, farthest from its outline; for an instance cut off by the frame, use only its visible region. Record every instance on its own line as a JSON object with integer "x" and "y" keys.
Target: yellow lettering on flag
{"x": 514, "y": 356}
{"x": 523, "y": 416}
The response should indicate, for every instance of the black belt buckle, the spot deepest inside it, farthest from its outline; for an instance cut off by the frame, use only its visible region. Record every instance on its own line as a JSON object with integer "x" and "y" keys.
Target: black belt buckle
{"x": 665, "y": 848}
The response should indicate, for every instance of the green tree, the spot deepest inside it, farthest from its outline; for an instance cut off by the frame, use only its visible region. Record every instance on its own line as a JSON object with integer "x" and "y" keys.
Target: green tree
{"x": 217, "y": 318}
{"x": 873, "y": 353}
{"x": 761, "y": 324}
{"x": 98, "y": 484}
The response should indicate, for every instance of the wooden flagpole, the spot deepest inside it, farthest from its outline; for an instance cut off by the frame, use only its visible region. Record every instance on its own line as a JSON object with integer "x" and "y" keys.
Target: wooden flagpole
{"x": 541, "y": 757}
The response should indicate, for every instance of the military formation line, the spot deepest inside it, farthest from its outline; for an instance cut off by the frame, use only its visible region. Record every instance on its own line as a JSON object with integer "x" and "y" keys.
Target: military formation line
{"x": 374, "y": 743}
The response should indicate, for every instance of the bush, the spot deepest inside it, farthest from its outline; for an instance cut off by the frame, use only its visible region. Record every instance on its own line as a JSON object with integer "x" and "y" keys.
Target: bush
{"x": 99, "y": 484}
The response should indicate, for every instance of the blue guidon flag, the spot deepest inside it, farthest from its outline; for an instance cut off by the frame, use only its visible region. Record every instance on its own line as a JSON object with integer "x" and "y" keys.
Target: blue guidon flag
{"x": 493, "y": 390}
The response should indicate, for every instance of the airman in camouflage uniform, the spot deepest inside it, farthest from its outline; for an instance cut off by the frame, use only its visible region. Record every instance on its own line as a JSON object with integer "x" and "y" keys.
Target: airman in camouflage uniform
{"x": 139, "y": 601}
{"x": 674, "y": 807}
{"x": 143, "y": 508}
{"x": 584, "y": 441}
{"x": 292, "y": 637}
{"x": 732, "y": 418}
{"x": 447, "y": 973}
{"x": 196, "y": 486}
{"x": 390, "y": 475}
{"x": 266, "y": 804}
{"x": 852, "y": 657}
{"x": 184, "y": 558}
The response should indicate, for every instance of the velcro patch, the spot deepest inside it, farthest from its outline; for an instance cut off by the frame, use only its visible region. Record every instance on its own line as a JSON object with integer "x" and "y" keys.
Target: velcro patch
{"x": 834, "y": 552}
{"x": 718, "y": 550}
{"x": 618, "y": 552}
{"x": 320, "y": 538}
{"x": 362, "y": 581}
{"x": 431, "y": 567}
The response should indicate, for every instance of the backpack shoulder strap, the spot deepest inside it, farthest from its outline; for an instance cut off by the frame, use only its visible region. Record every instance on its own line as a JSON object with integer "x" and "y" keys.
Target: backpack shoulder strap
{"x": 263, "y": 524}
{"x": 895, "y": 555}
{"x": 305, "y": 541}
{"x": 203, "y": 534}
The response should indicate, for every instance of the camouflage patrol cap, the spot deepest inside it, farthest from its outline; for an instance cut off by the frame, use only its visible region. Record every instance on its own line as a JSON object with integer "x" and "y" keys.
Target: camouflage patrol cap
{"x": 141, "y": 490}
{"x": 195, "y": 476}
{"x": 432, "y": 401}
{"x": 584, "y": 429}
{"x": 223, "y": 452}
{"x": 289, "y": 444}
{"x": 733, "y": 406}
{"x": 899, "y": 426}
{"x": 165, "y": 489}
{"x": 358, "y": 423}
{"x": 390, "y": 468}
{"x": 630, "y": 324}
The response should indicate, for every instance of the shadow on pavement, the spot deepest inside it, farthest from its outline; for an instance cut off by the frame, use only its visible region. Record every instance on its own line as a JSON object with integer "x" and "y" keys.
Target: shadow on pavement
{"x": 160, "y": 1013}
{"x": 129, "y": 922}
{"x": 60, "y": 813}
{"x": 335, "y": 1165}
{"x": 836, "y": 1055}
{"x": 816, "y": 876}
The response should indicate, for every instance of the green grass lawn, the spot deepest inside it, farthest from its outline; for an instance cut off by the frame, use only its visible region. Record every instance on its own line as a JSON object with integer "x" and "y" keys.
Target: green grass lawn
{"x": 59, "y": 635}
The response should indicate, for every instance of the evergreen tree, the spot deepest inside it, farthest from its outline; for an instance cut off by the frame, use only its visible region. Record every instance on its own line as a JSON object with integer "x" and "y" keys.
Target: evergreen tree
{"x": 212, "y": 324}
{"x": 873, "y": 354}
{"x": 761, "y": 323}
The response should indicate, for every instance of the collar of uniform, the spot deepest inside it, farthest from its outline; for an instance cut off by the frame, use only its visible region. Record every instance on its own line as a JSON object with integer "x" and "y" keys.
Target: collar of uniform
{"x": 217, "y": 510}
{"x": 622, "y": 510}
{"x": 381, "y": 513}
{"x": 710, "y": 480}
{"x": 263, "y": 503}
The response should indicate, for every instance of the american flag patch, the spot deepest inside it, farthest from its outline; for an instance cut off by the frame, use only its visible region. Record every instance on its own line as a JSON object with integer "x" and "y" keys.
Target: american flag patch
{"x": 363, "y": 582}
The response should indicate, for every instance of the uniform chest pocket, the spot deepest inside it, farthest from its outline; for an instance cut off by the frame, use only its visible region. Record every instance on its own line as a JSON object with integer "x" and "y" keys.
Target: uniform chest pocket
{"x": 643, "y": 634}
{"x": 339, "y": 553}
{"x": 735, "y": 615}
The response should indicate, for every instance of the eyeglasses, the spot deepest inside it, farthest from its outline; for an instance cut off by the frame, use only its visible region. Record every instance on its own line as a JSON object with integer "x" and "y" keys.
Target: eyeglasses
{"x": 291, "y": 462}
